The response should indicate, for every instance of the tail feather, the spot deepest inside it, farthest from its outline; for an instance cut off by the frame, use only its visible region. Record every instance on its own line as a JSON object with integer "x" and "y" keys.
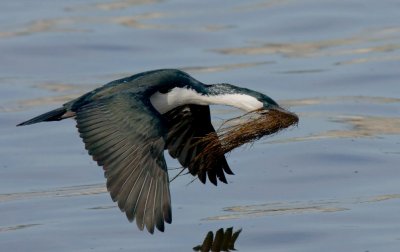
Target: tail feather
{"x": 54, "y": 115}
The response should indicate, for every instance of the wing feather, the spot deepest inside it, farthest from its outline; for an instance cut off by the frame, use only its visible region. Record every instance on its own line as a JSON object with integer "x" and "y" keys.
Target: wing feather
{"x": 186, "y": 125}
{"x": 124, "y": 134}
{"x": 140, "y": 207}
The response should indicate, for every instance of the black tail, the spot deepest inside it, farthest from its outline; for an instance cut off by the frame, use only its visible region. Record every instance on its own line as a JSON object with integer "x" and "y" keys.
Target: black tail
{"x": 54, "y": 115}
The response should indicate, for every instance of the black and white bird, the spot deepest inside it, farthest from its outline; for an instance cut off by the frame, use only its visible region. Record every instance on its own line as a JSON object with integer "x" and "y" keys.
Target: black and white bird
{"x": 128, "y": 123}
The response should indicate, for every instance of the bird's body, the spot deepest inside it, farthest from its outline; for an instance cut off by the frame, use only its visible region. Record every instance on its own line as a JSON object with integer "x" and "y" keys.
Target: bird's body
{"x": 127, "y": 124}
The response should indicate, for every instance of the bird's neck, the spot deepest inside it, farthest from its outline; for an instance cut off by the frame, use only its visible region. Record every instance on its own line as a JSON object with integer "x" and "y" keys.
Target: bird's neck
{"x": 181, "y": 96}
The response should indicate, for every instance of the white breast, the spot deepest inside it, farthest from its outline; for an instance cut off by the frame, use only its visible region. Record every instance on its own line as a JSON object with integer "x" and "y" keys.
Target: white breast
{"x": 181, "y": 96}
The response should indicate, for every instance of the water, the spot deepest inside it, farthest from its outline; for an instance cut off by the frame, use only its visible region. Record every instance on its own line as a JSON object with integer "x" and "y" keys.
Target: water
{"x": 330, "y": 184}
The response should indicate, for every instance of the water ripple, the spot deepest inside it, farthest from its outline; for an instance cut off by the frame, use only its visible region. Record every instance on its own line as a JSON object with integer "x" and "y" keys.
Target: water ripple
{"x": 72, "y": 191}
{"x": 297, "y": 207}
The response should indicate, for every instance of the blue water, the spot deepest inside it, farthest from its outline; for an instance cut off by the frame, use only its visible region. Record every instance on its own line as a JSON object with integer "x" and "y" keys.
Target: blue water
{"x": 330, "y": 184}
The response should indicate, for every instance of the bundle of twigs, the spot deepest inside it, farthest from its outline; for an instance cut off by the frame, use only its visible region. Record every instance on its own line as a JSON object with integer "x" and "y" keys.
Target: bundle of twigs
{"x": 251, "y": 127}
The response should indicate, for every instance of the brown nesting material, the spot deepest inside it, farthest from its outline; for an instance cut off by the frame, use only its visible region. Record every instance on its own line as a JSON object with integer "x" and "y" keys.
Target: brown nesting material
{"x": 251, "y": 127}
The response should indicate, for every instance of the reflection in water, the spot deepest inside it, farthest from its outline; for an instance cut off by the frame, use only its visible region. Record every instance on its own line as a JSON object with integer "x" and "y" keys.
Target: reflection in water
{"x": 316, "y": 48}
{"x": 224, "y": 67}
{"x": 22, "y": 105}
{"x": 366, "y": 126}
{"x": 340, "y": 100}
{"x": 59, "y": 87}
{"x": 372, "y": 49}
{"x": 101, "y": 207}
{"x": 122, "y": 4}
{"x": 360, "y": 126}
{"x": 355, "y": 125}
{"x": 287, "y": 49}
{"x": 16, "y": 227}
{"x": 70, "y": 24}
{"x": 65, "y": 92}
{"x": 217, "y": 27}
{"x": 223, "y": 241}
{"x": 57, "y": 192}
{"x": 46, "y": 25}
{"x": 235, "y": 212}
{"x": 298, "y": 207}
{"x": 112, "y": 5}
{"x": 75, "y": 24}
{"x": 135, "y": 22}
{"x": 250, "y": 6}
{"x": 303, "y": 71}
{"x": 368, "y": 59}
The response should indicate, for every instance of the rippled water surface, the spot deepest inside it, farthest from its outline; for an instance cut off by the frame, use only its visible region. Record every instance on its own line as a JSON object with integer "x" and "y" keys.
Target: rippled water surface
{"x": 330, "y": 184}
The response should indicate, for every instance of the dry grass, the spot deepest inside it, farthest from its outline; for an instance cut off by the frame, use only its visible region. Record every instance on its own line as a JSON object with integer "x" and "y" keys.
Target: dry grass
{"x": 245, "y": 129}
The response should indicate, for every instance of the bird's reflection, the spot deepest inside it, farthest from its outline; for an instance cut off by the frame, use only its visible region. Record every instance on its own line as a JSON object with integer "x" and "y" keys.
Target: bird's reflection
{"x": 223, "y": 241}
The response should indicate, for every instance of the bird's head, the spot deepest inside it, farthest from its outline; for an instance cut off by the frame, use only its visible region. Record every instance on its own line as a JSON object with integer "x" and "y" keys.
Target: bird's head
{"x": 171, "y": 88}
{"x": 240, "y": 97}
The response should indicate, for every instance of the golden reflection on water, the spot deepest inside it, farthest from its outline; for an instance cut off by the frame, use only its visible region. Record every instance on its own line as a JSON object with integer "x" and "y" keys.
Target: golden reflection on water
{"x": 74, "y": 24}
{"x": 368, "y": 59}
{"x": 298, "y": 207}
{"x": 303, "y": 71}
{"x": 37, "y": 102}
{"x": 325, "y": 47}
{"x": 59, "y": 87}
{"x": 388, "y": 37}
{"x": 366, "y": 126}
{"x": 216, "y": 27}
{"x": 123, "y": 4}
{"x": 64, "y": 93}
{"x": 339, "y": 100}
{"x": 137, "y": 21}
{"x": 45, "y": 25}
{"x": 225, "y": 67}
{"x": 57, "y": 192}
{"x": 234, "y": 212}
{"x": 266, "y": 4}
{"x": 45, "y": 101}
{"x": 357, "y": 127}
{"x": 111, "y": 5}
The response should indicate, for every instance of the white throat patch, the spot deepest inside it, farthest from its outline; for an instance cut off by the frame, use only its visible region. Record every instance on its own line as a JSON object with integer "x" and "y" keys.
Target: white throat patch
{"x": 181, "y": 96}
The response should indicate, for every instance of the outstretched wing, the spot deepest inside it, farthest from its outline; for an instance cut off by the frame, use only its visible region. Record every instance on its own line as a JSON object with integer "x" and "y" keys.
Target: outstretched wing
{"x": 186, "y": 126}
{"x": 124, "y": 135}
